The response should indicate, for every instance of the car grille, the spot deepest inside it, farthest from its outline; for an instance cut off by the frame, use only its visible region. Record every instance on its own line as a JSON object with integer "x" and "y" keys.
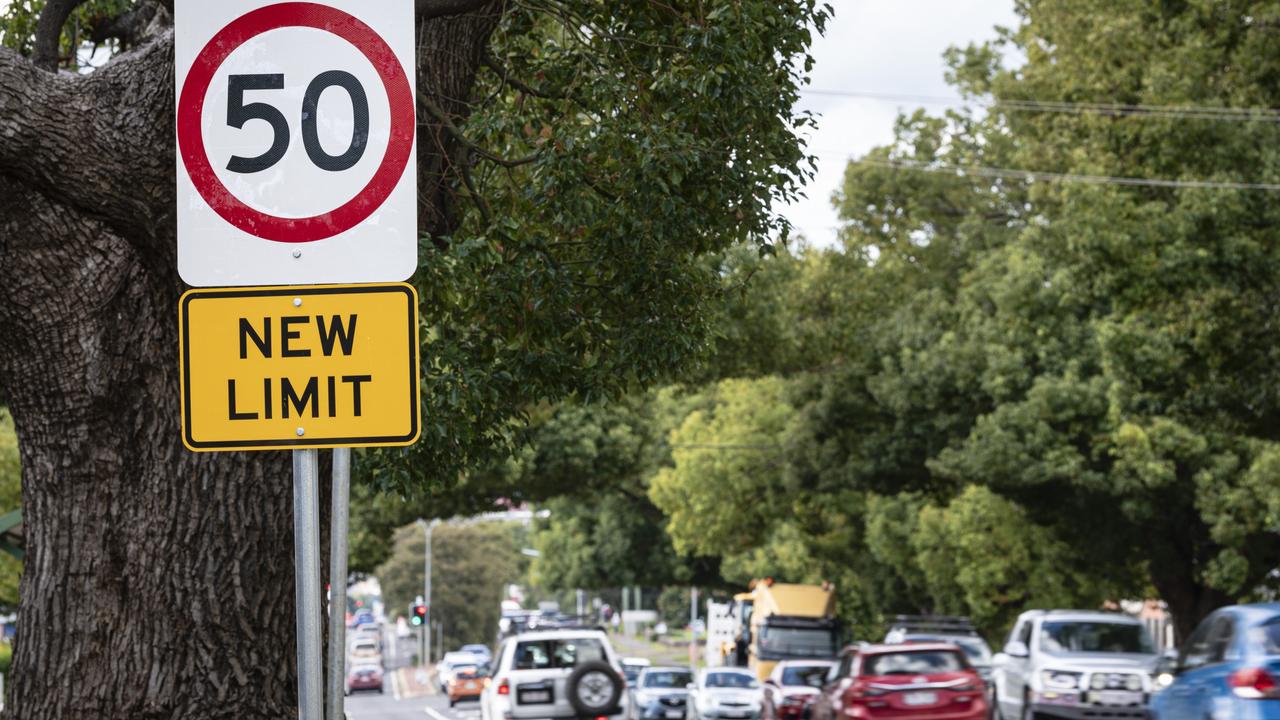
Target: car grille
{"x": 734, "y": 704}
{"x": 1128, "y": 713}
{"x": 672, "y": 701}
{"x": 1117, "y": 681}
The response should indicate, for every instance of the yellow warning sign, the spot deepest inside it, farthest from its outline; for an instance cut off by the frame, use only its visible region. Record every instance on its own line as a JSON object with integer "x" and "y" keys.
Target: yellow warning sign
{"x": 315, "y": 366}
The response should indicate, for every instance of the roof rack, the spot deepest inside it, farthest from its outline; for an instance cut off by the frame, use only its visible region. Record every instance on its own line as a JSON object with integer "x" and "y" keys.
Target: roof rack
{"x": 942, "y": 624}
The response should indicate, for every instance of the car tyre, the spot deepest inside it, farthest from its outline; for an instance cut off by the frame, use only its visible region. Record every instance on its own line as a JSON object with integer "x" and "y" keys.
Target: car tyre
{"x": 595, "y": 688}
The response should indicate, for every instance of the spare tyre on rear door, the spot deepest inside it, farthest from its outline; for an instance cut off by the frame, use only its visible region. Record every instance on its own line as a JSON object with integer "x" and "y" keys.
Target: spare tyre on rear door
{"x": 594, "y": 689}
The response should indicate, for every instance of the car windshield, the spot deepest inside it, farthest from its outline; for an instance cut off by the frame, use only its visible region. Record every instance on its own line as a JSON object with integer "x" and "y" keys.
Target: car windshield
{"x": 731, "y": 680}
{"x": 667, "y": 679}
{"x": 807, "y": 675}
{"x": 974, "y": 648}
{"x": 793, "y": 641}
{"x": 916, "y": 662}
{"x": 546, "y": 654}
{"x": 1062, "y": 637}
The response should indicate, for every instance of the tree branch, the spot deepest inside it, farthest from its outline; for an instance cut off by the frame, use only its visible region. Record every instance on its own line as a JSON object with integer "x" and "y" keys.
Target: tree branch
{"x": 439, "y": 114}
{"x": 48, "y": 46}
{"x": 101, "y": 142}
{"x": 428, "y": 9}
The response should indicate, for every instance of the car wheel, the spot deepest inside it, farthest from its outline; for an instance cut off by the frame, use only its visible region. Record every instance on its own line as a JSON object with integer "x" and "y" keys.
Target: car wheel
{"x": 594, "y": 689}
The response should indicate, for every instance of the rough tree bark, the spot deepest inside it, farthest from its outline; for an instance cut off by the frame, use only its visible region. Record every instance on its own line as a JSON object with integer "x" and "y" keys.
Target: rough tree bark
{"x": 158, "y": 583}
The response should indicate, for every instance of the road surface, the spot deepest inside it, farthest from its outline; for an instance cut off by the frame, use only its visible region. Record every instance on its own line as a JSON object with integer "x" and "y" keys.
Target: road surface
{"x": 387, "y": 707}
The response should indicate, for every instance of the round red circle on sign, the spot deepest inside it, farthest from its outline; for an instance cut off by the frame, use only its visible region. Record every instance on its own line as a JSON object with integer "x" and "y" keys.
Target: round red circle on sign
{"x": 191, "y": 136}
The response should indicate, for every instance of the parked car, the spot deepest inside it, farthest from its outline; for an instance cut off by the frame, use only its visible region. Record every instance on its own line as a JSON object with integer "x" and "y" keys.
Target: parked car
{"x": 363, "y": 675}
{"x": 632, "y": 667}
{"x": 1075, "y": 664}
{"x": 725, "y": 693}
{"x": 563, "y": 673}
{"x": 1228, "y": 668}
{"x": 466, "y": 683}
{"x": 916, "y": 681}
{"x": 792, "y": 686}
{"x": 660, "y": 693}
{"x": 480, "y": 651}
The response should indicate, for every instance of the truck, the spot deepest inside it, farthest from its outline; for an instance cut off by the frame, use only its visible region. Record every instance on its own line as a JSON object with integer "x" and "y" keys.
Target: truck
{"x": 773, "y": 622}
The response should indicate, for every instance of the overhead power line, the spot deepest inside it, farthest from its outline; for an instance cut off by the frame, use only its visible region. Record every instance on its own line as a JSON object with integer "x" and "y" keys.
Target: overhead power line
{"x": 1175, "y": 112}
{"x": 1043, "y": 176}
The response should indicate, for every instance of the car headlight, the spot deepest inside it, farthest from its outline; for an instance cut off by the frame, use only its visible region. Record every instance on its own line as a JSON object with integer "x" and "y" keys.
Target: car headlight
{"x": 1133, "y": 683}
{"x": 1060, "y": 680}
{"x": 1098, "y": 681}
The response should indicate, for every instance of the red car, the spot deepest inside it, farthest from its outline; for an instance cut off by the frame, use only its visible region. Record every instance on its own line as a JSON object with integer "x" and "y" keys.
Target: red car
{"x": 365, "y": 676}
{"x": 919, "y": 681}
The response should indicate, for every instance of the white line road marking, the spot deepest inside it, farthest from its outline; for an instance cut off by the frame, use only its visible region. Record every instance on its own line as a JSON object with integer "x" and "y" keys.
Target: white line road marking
{"x": 436, "y": 715}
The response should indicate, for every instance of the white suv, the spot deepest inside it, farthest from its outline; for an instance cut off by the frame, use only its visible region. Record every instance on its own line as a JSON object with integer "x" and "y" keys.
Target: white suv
{"x": 566, "y": 673}
{"x": 1073, "y": 665}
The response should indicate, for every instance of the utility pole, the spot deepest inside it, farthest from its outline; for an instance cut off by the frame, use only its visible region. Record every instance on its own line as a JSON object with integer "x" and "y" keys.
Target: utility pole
{"x": 693, "y": 627}
{"x": 427, "y": 527}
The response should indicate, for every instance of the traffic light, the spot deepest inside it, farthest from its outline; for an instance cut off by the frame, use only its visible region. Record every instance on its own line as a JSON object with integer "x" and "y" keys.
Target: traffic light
{"x": 419, "y": 615}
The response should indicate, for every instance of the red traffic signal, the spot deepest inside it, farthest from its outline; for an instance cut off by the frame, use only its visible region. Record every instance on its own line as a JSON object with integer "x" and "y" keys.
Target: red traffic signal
{"x": 419, "y": 615}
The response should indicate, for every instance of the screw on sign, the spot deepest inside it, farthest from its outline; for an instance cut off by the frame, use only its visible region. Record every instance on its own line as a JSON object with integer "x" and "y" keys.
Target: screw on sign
{"x": 295, "y": 128}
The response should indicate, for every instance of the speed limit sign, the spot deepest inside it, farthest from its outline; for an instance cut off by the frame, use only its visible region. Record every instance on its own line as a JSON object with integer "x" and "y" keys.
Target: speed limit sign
{"x": 295, "y": 128}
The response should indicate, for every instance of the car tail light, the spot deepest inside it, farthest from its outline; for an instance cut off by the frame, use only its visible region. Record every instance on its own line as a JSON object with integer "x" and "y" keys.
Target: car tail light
{"x": 858, "y": 692}
{"x": 504, "y": 688}
{"x": 974, "y": 685}
{"x": 1254, "y": 684}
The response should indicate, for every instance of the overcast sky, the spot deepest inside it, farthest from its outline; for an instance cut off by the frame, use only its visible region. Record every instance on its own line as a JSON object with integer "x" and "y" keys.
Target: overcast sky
{"x": 879, "y": 46}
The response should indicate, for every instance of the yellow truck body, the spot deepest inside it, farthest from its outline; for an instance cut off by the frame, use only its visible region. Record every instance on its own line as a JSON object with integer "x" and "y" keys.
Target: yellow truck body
{"x": 782, "y": 621}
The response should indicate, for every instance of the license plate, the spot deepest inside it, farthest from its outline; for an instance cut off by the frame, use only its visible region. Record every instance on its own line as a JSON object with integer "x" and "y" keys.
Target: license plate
{"x": 674, "y": 715}
{"x": 535, "y": 696}
{"x": 915, "y": 699}
{"x": 1117, "y": 697}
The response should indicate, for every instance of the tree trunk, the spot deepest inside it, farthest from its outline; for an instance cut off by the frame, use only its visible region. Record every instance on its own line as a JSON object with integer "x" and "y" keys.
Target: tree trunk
{"x": 158, "y": 583}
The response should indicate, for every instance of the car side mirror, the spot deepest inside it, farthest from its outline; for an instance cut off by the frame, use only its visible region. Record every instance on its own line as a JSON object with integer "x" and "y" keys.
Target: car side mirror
{"x": 1017, "y": 649}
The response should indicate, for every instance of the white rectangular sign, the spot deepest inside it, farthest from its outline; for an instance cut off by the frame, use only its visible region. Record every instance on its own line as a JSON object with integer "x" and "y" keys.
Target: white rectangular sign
{"x": 296, "y": 144}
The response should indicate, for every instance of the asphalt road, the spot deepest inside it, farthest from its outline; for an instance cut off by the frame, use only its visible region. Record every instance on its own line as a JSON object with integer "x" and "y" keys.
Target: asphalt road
{"x": 372, "y": 706}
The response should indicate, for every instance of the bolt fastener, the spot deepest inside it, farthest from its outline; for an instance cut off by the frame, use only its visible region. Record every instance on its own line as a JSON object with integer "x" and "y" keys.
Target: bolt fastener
{"x": 297, "y": 302}
{"x": 301, "y": 432}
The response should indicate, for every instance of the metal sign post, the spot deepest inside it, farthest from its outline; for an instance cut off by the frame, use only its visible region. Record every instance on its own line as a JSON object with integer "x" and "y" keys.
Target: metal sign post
{"x": 306, "y": 560}
{"x": 338, "y": 580}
